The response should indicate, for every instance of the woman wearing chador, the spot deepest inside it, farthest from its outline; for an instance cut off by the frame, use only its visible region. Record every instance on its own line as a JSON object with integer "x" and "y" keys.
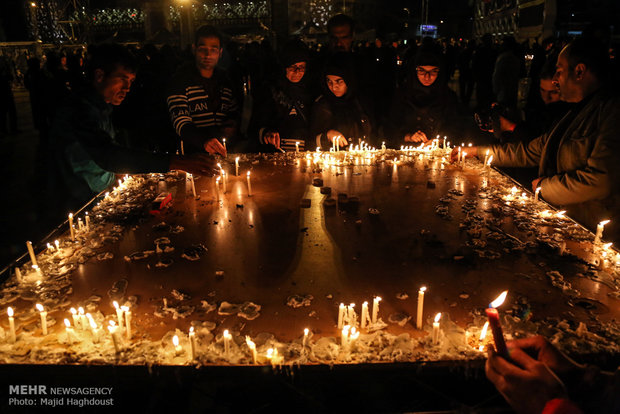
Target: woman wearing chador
{"x": 340, "y": 116}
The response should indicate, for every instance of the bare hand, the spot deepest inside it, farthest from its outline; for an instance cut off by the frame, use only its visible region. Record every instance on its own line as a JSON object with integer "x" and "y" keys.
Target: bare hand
{"x": 199, "y": 164}
{"x": 272, "y": 138}
{"x": 471, "y": 152}
{"x": 333, "y": 135}
{"x": 530, "y": 379}
{"x": 536, "y": 183}
{"x": 214, "y": 146}
{"x": 417, "y": 136}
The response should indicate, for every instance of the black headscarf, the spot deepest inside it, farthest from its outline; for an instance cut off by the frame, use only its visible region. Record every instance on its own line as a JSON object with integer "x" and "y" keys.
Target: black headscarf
{"x": 428, "y": 55}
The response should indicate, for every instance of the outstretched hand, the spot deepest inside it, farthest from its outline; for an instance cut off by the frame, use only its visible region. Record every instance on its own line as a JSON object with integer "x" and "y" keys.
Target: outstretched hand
{"x": 471, "y": 152}
{"x": 530, "y": 379}
{"x": 417, "y": 136}
{"x": 199, "y": 164}
{"x": 214, "y": 146}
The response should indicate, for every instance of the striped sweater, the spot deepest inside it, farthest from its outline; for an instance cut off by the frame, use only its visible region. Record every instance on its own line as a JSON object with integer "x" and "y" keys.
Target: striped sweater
{"x": 201, "y": 102}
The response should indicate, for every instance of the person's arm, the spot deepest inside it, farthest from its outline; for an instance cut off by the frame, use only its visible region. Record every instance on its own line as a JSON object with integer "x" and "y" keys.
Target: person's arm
{"x": 516, "y": 154}
{"x": 600, "y": 172}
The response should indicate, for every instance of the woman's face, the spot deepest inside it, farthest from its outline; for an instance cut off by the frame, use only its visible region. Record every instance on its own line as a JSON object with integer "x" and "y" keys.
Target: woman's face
{"x": 295, "y": 72}
{"x": 427, "y": 75}
{"x": 337, "y": 85}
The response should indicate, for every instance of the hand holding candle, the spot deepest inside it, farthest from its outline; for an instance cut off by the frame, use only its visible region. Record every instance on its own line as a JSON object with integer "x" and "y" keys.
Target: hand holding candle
{"x": 496, "y": 327}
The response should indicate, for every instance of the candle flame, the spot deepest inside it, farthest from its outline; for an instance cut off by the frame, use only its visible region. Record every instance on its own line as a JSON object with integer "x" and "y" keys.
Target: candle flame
{"x": 175, "y": 341}
{"x": 270, "y": 353}
{"x": 227, "y": 334}
{"x": 67, "y": 323}
{"x": 483, "y": 333}
{"x": 604, "y": 222}
{"x": 561, "y": 213}
{"x": 92, "y": 322}
{"x": 378, "y": 298}
{"x": 125, "y": 308}
{"x": 73, "y": 311}
{"x": 70, "y": 215}
{"x": 490, "y": 160}
{"x": 112, "y": 324}
{"x": 437, "y": 317}
{"x": 423, "y": 289}
{"x": 39, "y": 307}
{"x": 81, "y": 310}
{"x": 249, "y": 342}
{"x": 191, "y": 330}
{"x": 607, "y": 246}
{"x": 248, "y": 174}
{"x": 115, "y": 303}
{"x": 306, "y": 332}
{"x": 514, "y": 190}
{"x": 352, "y": 305}
{"x": 499, "y": 300}
{"x": 9, "y": 312}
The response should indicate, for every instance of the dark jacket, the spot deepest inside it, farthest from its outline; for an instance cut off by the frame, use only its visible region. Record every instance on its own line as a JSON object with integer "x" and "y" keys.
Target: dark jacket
{"x": 283, "y": 107}
{"x": 430, "y": 109}
{"x": 88, "y": 151}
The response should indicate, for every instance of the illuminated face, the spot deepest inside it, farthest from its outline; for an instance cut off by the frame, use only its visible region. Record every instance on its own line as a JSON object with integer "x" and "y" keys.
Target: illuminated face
{"x": 337, "y": 85}
{"x": 549, "y": 91}
{"x": 207, "y": 52}
{"x": 565, "y": 79}
{"x": 295, "y": 72}
{"x": 341, "y": 38}
{"x": 427, "y": 75}
{"x": 115, "y": 86}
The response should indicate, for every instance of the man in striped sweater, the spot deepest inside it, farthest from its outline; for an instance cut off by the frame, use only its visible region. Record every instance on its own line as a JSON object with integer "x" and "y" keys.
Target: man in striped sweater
{"x": 201, "y": 103}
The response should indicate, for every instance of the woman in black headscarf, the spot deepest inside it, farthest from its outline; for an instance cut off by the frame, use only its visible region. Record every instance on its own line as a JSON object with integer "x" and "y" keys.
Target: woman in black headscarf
{"x": 340, "y": 115}
{"x": 281, "y": 115}
{"x": 424, "y": 107}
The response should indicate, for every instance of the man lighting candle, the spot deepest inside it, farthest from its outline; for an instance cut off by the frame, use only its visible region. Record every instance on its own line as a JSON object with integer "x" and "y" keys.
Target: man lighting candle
{"x": 578, "y": 159}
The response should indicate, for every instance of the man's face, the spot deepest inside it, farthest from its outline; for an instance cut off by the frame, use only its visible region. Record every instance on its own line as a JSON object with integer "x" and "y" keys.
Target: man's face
{"x": 341, "y": 38}
{"x": 549, "y": 91}
{"x": 336, "y": 85}
{"x": 208, "y": 52}
{"x": 115, "y": 86}
{"x": 565, "y": 79}
{"x": 295, "y": 72}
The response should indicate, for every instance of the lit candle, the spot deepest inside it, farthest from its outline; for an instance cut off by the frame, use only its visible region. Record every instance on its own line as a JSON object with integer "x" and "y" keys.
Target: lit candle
{"x": 87, "y": 220}
{"x": 463, "y": 157}
{"x": 80, "y": 224}
{"x": 127, "y": 313}
{"x": 75, "y": 317}
{"x": 375, "y": 308}
{"x": 496, "y": 327}
{"x": 227, "y": 337}
{"x": 43, "y": 318}
{"x": 249, "y": 185}
{"x": 119, "y": 314}
{"x": 536, "y": 193}
{"x": 70, "y": 332}
{"x": 57, "y": 244}
{"x": 420, "y": 315}
{"x": 93, "y": 328}
{"x": 71, "y": 229}
{"x": 297, "y": 146}
{"x": 38, "y": 270}
{"x": 224, "y": 142}
{"x": 383, "y": 148}
{"x": 599, "y": 231}
{"x": 217, "y": 187}
{"x": 252, "y": 347}
{"x": 305, "y": 340}
{"x": 177, "y": 348}
{"x": 489, "y": 161}
{"x": 33, "y": 258}
{"x": 112, "y": 328}
{"x": 50, "y": 248}
{"x": 341, "y": 315}
{"x": 192, "y": 342}
{"x": 224, "y": 181}
{"x": 9, "y": 312}
{"x": 483, "y": 334}
{"x": 436, "y": 329}
{"x": 344, "y": 334}
{"x": 352, "y": 338}
{"x": 365, "y": 317}
{"x": 486, "y": 157}
{"x": 459, "y": 155}
{"x": 83, "y": 323}
{"x": 237, "y": 166}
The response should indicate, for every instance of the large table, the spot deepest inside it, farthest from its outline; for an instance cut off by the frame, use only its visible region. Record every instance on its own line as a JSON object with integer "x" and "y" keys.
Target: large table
{"x": 394, "y": 221}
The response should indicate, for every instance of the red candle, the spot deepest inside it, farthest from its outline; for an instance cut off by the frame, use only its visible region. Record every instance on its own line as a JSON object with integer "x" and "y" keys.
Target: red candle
{"x": 496, "y": 327}
{"x": 498, "y": 335}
